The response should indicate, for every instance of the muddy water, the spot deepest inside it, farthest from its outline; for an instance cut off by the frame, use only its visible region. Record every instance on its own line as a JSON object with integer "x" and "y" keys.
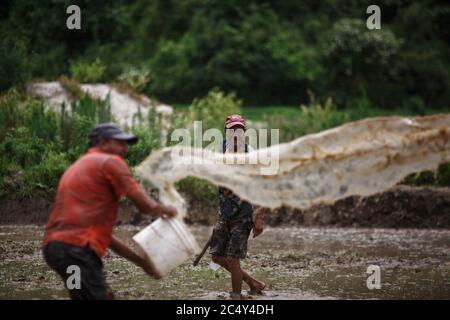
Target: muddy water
{"x": 296, "y": 263}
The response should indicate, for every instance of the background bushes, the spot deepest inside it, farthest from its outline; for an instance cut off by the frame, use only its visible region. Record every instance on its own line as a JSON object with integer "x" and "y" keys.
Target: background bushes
{"x": 267, "y": 52}
{"x": 85, "y": 72}
{"x": 38, "y": 143}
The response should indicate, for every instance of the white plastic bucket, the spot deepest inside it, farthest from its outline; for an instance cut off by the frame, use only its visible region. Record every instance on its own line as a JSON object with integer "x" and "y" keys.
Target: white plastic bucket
{"x": 167, "y": 243}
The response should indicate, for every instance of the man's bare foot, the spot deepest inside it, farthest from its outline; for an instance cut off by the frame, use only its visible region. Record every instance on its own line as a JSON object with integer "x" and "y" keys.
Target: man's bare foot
{"x": 257, "y": 288}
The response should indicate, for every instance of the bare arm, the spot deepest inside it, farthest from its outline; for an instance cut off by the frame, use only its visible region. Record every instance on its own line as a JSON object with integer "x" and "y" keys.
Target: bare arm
{"x": 122, "y": 249}
{"x": 120, "y": 177}
{"x": 149, "y": 206}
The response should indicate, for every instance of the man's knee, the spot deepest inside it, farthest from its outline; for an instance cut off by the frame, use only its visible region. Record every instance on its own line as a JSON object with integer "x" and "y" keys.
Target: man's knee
{"x": 217, "y": 259}
{"x": 233, "y": 262}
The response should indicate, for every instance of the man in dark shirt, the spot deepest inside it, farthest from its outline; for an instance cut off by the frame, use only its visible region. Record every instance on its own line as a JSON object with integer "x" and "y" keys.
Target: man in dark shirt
{"x": 230, "y": 235}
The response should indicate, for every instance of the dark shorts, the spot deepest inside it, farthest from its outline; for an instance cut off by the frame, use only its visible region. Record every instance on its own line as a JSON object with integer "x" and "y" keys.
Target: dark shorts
{"x": 60, "y": 256}
{"x": 230, "y": 238}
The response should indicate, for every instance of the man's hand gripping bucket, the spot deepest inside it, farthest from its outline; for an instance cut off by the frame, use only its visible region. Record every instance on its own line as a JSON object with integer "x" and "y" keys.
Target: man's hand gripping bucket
{"x": 166, "y": 243}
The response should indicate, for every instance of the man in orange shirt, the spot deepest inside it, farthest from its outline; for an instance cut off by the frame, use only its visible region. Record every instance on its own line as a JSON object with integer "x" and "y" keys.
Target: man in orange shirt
{"x": 80, "y": 225}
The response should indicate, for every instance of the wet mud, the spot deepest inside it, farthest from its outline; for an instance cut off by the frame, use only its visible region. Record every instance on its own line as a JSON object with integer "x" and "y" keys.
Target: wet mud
{"x": 296, "y": 263}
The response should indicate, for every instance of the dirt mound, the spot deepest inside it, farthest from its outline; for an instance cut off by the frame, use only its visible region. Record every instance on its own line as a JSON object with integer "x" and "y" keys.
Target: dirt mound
{"x": 399, "y": 207}
{"x": 23, "y": 211}
{"x": 36, "y": 210}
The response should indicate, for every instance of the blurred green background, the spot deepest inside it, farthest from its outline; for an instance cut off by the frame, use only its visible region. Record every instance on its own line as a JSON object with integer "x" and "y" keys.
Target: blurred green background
{"x": 268, "y": 52}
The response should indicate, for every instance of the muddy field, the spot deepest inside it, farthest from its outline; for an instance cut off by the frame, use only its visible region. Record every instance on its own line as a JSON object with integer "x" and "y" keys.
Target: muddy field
{"x": 296, "y": 263}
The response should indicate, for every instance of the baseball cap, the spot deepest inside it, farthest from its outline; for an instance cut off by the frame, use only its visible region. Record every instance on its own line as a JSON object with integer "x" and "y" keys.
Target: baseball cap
{"x": 110, "y": 131}
{"x": 233, "y": 120}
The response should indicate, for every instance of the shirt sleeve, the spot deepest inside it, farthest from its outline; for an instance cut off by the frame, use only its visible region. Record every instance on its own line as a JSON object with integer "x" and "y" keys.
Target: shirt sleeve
{"x": 119, "y": 175}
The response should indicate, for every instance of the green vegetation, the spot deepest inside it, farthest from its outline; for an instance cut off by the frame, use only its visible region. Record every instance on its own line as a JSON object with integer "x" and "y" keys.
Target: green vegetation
{"x": 87, "y": 72}
{"x": 268, "y": 52}
{"x": 304, "y": 66}
{"x": 71, "y": 86}
{"x": 135, "y": 79}
{"x": 37, "y": 143}
{"x": 213, "y": 109}
{"x": 319, "y": 115}
{"x": 198, "y": 191}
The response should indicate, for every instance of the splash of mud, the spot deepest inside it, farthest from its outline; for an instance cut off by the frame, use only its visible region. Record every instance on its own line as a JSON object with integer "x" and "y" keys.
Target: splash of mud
{"x": 359, "y": 158}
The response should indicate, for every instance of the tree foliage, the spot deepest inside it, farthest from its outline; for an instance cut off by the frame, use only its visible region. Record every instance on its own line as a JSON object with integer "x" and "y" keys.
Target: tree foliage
{"x": 268, "y": 52}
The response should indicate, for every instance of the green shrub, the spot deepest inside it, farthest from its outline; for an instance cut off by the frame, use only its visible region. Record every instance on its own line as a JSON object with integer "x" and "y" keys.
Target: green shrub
{"x": 87, "y": 72}
{"x": 198, "y": 190}
{"x": 314, "y": 117}
{"x": 361, "y": 61}
{"x": 317, "y": 116}
{"x": 28, "y": 112}
{"x": 9, "y": 111}
{"x": 11, "y": 177}
{"x": 149, "y": 139}
{"x": 78, "y": 141}
{"x": 14, "y": 61}
{"x": 443, "y": 175}
{"x": 46, "y": 174}
{"x": 71, "y": 86}
{"x": 38, "y": 143}
{"x": 21, "y": 147}
{"x": 268, "y": 52}
{"x": 213, "y": 109}
{"x": 415, "y": 104}
{"x": 28, "y": 162}
{"x": 136, "y": 79}
{"x": 74, "y": 128}
{"x": 40, "y": 122}
{"x": 440, "y": 177}
{"x": 98, "y": 111}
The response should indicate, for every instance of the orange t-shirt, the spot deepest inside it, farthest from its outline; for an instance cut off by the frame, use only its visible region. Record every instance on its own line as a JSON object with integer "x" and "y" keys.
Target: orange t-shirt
{"x": 87, "y": 199}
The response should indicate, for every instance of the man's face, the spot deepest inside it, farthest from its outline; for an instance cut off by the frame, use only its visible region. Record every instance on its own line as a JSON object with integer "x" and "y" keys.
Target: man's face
{"x": 113, "y": 146}
{"x": 236, "y": 135}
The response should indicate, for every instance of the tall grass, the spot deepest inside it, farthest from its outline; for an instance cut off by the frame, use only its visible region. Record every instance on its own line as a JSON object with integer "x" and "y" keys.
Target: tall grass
{"x": 37, "y": 143}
